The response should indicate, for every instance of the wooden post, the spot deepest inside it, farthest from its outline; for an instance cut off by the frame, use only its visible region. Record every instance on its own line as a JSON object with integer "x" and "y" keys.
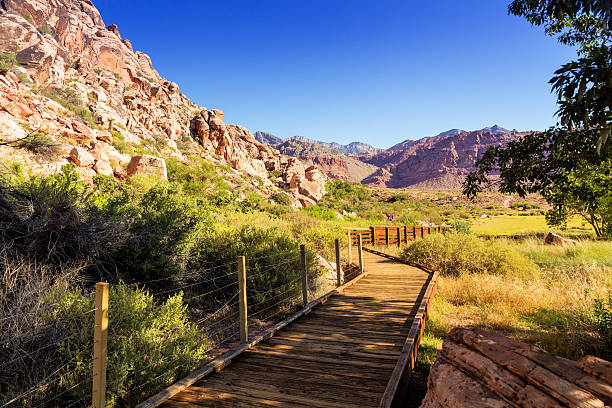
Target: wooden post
{"x": 387, "y": 236}
{"x": 360, "y": 249}
{"x": 244, "y": 330}
{"x": 373, "y": 232}
{"x": 406, "y": 234}
{"x": 414, "y": 232}
{"x": 304, "y": 275}
{"x": 350, "y": 245}
{"x": 98, "y": 390}
{"x": 399, "y": 236}
{"x": 338, "y": 269}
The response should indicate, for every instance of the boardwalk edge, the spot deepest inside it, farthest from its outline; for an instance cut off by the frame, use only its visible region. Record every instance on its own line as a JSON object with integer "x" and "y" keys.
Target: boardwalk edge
{"x": 405, "y": 364}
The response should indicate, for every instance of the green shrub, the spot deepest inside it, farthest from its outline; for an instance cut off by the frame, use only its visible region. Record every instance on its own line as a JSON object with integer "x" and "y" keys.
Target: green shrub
{"x": 320, "y": 212}
{"x": 398, "y": 198}
{"x": 161, "y": 228}
{"x": 53, "y": 218}
{"x": 199, "y": 178}
{"x": 463, "y": 227}
{"x": 602, "y": 314}
{"x": 149, "y": 343}
{"x": 272, "y": 258}
{"x": 457, "y": 254}
{"x": 8, "y": 61}
{"x": 524, "y": 205}
{"x": 119, "y": 142}
{"x": 281, "y": 198}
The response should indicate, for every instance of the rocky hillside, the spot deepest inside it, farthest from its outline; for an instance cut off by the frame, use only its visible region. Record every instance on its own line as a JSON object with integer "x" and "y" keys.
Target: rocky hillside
{"x": 73, "y": 90}
{"x": 331, "y": 162}
{"x": 439, "y": 163}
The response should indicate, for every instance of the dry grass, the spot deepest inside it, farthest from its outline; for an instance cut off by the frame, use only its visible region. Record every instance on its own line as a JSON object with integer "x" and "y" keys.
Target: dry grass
{"x": 551, "y": 306}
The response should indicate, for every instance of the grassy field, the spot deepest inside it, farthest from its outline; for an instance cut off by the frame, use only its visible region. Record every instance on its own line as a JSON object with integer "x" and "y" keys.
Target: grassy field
{"x": 528, "y": 224}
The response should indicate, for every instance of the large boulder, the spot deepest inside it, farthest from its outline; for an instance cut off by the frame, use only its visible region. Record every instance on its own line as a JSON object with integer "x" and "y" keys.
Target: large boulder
{"x": 144, "y": 164}
{"x": 555, "y": 239}
{"x": 476, "y": 368}
{"x": 82, "y": 157}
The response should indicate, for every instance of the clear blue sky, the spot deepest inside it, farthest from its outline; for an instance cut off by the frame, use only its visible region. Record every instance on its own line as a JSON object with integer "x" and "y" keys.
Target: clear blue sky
{"x": 344, "y": 70}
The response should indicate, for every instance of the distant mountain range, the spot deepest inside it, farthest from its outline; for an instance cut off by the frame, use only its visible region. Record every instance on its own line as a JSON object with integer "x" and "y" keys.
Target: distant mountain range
{"x": 439, "y": 162}
{"x": 354, "y": 148}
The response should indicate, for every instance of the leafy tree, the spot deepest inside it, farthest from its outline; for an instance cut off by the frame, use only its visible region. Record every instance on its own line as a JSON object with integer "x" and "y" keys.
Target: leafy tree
{"x": 583, "y": 87}
{"x": 569, "y": 165}
{"x": 562, "y": 165}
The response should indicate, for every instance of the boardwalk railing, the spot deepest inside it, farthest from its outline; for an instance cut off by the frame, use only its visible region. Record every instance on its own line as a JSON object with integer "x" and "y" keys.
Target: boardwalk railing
{"x": 377, "y": 235}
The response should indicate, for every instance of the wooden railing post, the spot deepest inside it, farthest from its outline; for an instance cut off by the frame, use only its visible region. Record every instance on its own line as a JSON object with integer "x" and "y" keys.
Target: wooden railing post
{"x": 414, "y": 232}
{"x": 338, "y": 268}
{"x": 399, "y": 237}
{"x": 387, "y": 236}
{"x": 373, "y": 233}
{"x": 406, "y": 234}
{"x": 98, "y": 390}
{"x": 350, "y": 245}
{"x": 304, "y": 275}
{"x": 244, "y": 330}
{"x": 360, "y": 249}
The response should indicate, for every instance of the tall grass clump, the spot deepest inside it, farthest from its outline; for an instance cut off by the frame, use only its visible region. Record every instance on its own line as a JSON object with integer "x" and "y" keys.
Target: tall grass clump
{"x": 456, "y": 254}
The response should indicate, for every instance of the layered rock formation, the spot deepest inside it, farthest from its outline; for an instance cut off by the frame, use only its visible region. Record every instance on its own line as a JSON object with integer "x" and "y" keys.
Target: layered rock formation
{"x": 117, "y": 99}
{"x": 481, "y": 369}
{"x": 437, "y": 163}
{"x": 333, "y": 163}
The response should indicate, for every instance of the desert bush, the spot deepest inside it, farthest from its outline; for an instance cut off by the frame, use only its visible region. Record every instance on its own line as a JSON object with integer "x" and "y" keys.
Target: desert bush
{"x": 70, "y": 99}
{"x": 150, "y": 344}
{"x": 320, "y": 213}
{"x": 457, "y": 254}
{"x": 8, "y": 61}
{"x": 463, "y": 227}
{"x": 52, "y": 218}
{"x": 272, "y": 257}
{"x": 162, "y": 226}
{"x": 28, "y": 357}
{"x": 281, "y": 198}
{"x": 40, "y": 143}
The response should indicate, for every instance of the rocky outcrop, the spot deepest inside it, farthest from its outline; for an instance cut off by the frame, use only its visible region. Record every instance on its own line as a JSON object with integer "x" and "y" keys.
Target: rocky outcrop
{"x": 482, "y": 369}
{"x": 64, "y": 48}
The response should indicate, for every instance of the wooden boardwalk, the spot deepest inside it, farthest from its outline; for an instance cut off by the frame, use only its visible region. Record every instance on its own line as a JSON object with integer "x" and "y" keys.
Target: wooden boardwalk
{"x": 350, "y": 351}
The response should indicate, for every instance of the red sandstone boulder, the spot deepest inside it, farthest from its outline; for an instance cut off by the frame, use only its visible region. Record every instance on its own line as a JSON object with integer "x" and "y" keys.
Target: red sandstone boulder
{"x": 82, "y": 157}
{"x": 476, "y": 368}
{"x": 147, "y": 165}
{"x": 103, "y": 167}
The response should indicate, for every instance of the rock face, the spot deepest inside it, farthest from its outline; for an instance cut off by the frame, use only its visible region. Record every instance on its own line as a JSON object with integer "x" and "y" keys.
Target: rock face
{"x": 65, "y": 48}
{"x": 482, "y": 369}
{"x": 439, "y": 162}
